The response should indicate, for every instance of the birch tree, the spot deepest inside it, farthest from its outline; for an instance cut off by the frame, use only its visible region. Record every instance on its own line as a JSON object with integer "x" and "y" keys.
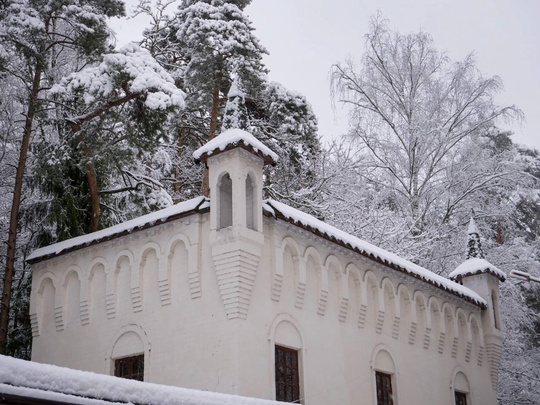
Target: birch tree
{"x": 413, "y": 111}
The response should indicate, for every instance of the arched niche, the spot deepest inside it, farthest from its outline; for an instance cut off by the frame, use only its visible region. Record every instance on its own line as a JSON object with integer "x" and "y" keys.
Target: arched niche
{"x": 98, "y": 289}
{"x": 335, "y": 285}
{"x": 391, "y": 319}
{"x": 450, "y": 329}
{"x": 436, "y": 324}
{"x": 495, "y": 310}
{"x": 149, "y": 276}
{"x": 313, "y": 279}
{"x": 122, "y": 274}
{"x": 225, "y": 201}
{"x": 372, "y": 301}
{"x": 178, "y": 267}
{"x": 422, "y": 328}
{"x": 72, "y": 297}
{"x": 251, "y": 202}
{"x": 353, "y": 284}
{"x": 405, "y": 312}
{"x": 46, "y": 306}
{"x": 464, "y": 341}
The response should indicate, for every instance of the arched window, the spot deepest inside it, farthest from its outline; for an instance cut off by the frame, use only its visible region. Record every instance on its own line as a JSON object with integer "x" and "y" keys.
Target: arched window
{"x": 250, "y": 203}
{"x": 225, "y": 201}
{"x": 385, "y": 377}
{"x": 128, "y": 357}
{"x": 461, "y": 389}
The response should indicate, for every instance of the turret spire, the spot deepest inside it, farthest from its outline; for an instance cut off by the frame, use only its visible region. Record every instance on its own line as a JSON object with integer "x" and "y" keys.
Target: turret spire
{"x": 235, "y": 116}
{"x": 474, "y": 246}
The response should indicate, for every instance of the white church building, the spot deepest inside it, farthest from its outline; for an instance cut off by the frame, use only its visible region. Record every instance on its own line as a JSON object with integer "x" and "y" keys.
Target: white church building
{"x": 240, "y": 295}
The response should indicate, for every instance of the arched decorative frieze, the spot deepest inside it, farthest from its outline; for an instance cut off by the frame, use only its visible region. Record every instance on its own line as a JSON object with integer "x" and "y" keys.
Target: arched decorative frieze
{"x": 72, "y": 296}
{"x": 97, "y": 290}
{"x": 119, "y": 291}
{"x": 437, "y": 323}
{"x": 354, "y": 285}
{"x": 337, "y": 286}
{"x": 391, "y": 308}
{"x": 405, "y": 311}
{"x": 477, "y": 336}
{"x": 423, "y": 329}
{"x": 129, "y": 340}
{"x": 373, "y": 299}
{"x": 168, "y": 273}
{"x": 450, "y": 328}
{"x": 145, "y": 277}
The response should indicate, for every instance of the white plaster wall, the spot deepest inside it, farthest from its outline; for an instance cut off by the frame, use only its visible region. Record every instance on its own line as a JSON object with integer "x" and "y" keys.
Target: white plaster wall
{"x": 329, "y": 303}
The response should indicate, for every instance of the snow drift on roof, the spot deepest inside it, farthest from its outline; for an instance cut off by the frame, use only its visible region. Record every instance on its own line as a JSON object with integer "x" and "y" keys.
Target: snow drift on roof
{"x": 26, "y": 378}
{"x": 474, "y": 266}
{"x": 233, "y": 137}
{"x": 276, "y": 208}
{"x": 153, "y": 218}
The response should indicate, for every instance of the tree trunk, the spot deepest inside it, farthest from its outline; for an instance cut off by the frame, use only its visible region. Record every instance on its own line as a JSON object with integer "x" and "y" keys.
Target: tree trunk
{"x": 214, "y": 116}
{"x": 15, "y": 209}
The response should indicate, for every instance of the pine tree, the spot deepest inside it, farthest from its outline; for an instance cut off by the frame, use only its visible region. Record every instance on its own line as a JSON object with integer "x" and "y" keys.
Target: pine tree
{"x": 33, "y": 36}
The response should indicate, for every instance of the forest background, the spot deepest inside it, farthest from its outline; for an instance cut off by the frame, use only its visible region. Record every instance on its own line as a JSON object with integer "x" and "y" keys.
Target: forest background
{"x": 91, "y": 136}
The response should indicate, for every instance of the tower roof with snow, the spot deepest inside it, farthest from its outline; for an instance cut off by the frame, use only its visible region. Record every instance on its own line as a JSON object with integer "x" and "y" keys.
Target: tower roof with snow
{"x": 235, "y": 138}
{"x": 475, "y": 263}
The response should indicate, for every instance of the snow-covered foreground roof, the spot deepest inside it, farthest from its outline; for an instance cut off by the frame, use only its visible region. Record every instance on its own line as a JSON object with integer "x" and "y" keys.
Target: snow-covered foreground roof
{"x": 154, "y": 218}
{"x": 232, "y": 138}
{"x": 473, "y": 266}
{"x": 46, "y": 382}
{"x": 299, "y": 218}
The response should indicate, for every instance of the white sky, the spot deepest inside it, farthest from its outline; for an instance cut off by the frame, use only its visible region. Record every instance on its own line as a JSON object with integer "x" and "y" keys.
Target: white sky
{"x": 305, "y": 37}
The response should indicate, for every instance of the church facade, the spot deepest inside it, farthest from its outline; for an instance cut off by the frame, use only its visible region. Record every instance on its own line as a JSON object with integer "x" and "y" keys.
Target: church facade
{"x": 238, "y": 295}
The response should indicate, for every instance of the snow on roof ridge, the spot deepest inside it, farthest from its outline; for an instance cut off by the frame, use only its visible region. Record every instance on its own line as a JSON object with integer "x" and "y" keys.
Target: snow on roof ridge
{"x": 128, "y": 226}
{"x": 386, "y": 257}
{"x": 473, "y": 266}
{"x": 36, "y": 380}
{"x": 230, "y": 137}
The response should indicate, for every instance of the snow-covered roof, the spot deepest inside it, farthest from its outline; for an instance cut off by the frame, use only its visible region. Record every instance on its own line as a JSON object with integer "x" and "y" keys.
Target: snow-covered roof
{"x": 232, "y": 138}
{"x": 154, "y": 218}
{"x": 473, "y": 266}
{"x": 306, "y": 221}
{"x": 51, "y": 383}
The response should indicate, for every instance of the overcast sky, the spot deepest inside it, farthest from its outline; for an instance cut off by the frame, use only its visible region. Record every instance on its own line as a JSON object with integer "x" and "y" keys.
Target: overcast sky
{"x": 305, "y": 37}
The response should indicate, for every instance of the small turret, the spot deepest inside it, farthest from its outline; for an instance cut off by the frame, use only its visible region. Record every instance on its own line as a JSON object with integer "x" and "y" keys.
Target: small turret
{"x": 235, "y": 161}
{"x": 480, "y": 276}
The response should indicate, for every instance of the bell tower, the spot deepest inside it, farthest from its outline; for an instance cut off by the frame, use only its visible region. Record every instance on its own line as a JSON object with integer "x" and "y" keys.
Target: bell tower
{"x": 480, "y": 276}
{"x": 235, "y": 161}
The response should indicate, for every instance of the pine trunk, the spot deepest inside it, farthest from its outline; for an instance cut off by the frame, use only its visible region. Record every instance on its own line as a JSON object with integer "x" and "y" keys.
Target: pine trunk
{"x": 15, "y": 209}
{"x": 214, "y": 116}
